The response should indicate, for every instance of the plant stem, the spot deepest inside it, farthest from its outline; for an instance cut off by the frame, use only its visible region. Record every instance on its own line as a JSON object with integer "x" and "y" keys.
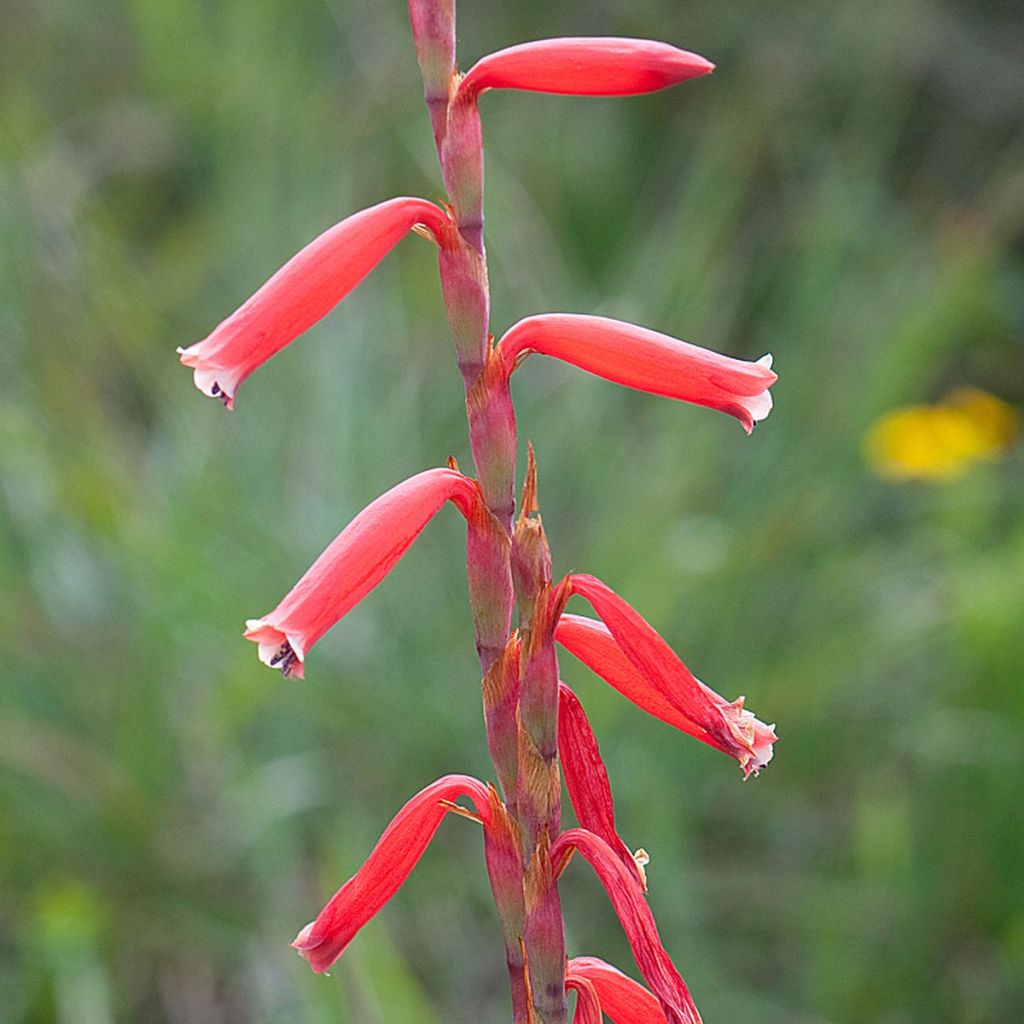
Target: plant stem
{"x": 520, "y": 677}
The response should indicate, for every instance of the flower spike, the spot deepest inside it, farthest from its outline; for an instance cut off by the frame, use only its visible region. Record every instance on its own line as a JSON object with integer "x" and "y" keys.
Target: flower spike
{"x": 635, "y": 916}
{"x": 624, "y": 1000}
{"x": 303, "y": 291}
{"x": 585, "y": 66}
{"x": 354, "y": 563}
{"x": 729, "y": 726}
{"x": 586, "y": 779}
{"x": 397, "y": 852}
{"x": 646, "y": 360}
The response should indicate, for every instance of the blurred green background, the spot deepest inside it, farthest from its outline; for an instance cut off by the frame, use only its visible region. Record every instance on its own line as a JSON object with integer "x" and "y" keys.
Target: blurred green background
{"x": 847, "y": 192}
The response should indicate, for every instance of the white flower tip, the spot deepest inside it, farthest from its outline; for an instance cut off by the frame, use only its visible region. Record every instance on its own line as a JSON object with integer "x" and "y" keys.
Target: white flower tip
{"x": 641, "y": 859}
{"x": 210, "y": 380}
{"x": 765, "y": 360}
{"x": 753, "y": 737}
{"x": 758, "y": 406}
{"x": 215, "y": 384}
{"x": 277, "y": 649}
{"x": 763, "y": 753}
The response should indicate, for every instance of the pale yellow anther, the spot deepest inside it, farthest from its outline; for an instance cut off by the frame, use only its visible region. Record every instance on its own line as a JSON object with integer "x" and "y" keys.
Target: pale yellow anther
{"x": 642, "y": 858}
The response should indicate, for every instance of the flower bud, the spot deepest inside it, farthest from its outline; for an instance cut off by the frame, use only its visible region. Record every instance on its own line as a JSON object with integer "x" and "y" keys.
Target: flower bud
{"x": 585, "y": 66}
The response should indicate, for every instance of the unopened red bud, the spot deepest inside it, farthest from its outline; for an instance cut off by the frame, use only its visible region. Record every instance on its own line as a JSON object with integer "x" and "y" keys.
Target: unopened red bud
{"x": 586, "y": 66}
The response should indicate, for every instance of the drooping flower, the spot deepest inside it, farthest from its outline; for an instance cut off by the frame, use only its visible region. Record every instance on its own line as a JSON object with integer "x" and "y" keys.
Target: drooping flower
{"x": 627, "y": 898}
{"x": 592, "y": 642}
{"x": 624, "y": 1000}
{"x": 586, "y": 779}
{"x": 397, "y": 852}
{"x": 585, "y": 66}
{"x": 724, "y": 724}
{"x": 355, "y": 562}
{"x": 303, "y": 291}
{"x": 646, "y": 360}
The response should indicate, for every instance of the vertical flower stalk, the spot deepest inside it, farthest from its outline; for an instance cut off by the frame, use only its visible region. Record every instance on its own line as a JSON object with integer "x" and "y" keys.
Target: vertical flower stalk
{"x": 492, "y": 435}
{"x": 433, "y": 34}
{"x": 535, "y": 724}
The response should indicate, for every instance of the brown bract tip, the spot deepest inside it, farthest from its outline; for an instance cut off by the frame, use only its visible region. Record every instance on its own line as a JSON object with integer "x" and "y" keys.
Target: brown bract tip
{"x": 530, "y": 505}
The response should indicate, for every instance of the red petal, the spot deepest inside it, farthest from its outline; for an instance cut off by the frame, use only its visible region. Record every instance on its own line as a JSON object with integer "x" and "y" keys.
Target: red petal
{"x": 588, "y": 1005}
{"x": 393, "y": 858}
{"x": 588, "y": 66}
{"x": 305, "y": 289}
{"x": 637, "y": 921}
{"x": 586, "y": 777}
{"x": 732, "y": 728}
{"x": 624, "y": 1000}
{"x": 648, "y": 361}
{"x": 354, "y": 563}
{"x": 592, "y": 642}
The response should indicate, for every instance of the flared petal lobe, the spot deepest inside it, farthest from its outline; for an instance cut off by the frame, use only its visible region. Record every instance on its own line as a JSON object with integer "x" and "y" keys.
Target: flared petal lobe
{"x": 728, "y": 725}
{"x": 634, "y": 914}
{"x": 646, "y": 360}
{"x": 586, "y": 66}
{"x": 397, "y": 852}
{"x": 622, "y": 999}
{"x": 303, "y": 291}
{"x": 586, "y": 779}
{"x": 354, "y": 563}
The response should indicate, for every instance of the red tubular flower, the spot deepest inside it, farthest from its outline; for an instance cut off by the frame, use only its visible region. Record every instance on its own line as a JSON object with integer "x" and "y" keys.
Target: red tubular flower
{"x": 622, "y": 999}
{"x": 303, "y": 291}
{"x": 727, "y": 726}
{"x": 354, "y": 563}
{"x": 586, "y": 779}
{"x": 592, "y": 642}
{"x": 646, "y": 360}
{"x": 397, "y": 852}
{"x": 637, "y": 921}
{"x": 588, "y": 1005}
{"x": 588, "y": 66}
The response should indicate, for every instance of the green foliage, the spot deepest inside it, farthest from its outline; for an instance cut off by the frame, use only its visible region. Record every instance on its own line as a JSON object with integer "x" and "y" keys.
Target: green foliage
{"x": 845, "y": 192}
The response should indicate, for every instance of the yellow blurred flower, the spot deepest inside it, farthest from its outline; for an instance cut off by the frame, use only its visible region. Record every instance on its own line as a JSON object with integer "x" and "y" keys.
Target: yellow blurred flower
{"x": 940, "y": 442}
